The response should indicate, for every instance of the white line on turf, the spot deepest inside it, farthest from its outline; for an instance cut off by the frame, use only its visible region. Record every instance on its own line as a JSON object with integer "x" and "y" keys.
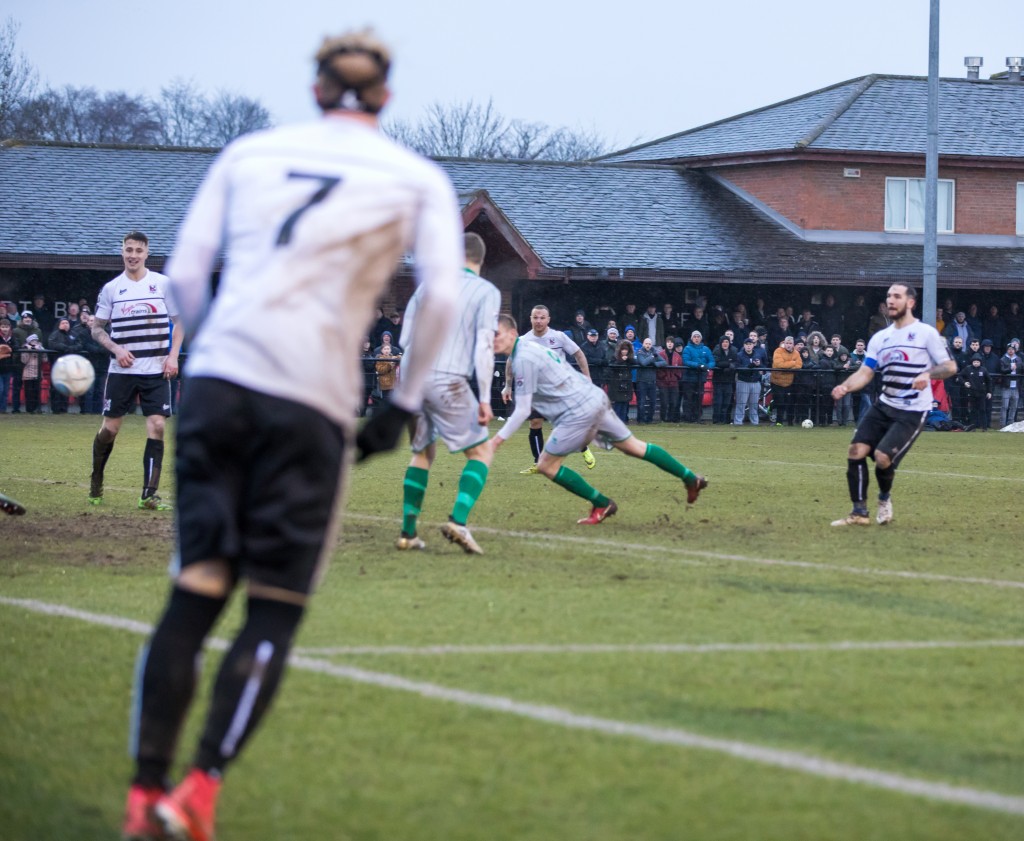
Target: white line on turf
{"x": 661, "y": 648}
{"x": 718, "y": 556}
{"x": 774, "y": 757}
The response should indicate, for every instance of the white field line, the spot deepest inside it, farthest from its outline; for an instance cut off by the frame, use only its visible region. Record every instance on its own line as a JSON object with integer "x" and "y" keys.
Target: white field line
{"x": 660, "y": 648}
{"x": 903, "y": 470}
{"x": 788, "y": 760}
{"x": 543, "y": 537}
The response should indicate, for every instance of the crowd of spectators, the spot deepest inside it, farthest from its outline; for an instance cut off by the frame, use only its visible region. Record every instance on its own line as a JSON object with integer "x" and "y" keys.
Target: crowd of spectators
{"x": 692, "y": 364}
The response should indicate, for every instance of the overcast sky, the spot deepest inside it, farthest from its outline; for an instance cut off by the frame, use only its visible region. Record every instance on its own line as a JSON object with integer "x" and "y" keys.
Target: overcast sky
{"x": 630, "y": 71}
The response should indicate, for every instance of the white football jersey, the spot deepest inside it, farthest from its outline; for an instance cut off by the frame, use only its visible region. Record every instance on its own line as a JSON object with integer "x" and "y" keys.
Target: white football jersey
{"x": 477, "y": 309}
{"x": 139, "y": 316}
{"x": 553, "y": 340}
{"x": 900, "y": 354}
{"x": 557, "y": 388}
{"x": 313, "y": 219}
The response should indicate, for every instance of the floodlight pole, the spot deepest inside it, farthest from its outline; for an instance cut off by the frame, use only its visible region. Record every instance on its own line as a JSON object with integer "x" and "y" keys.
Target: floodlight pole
{"x": 931, "y": 173}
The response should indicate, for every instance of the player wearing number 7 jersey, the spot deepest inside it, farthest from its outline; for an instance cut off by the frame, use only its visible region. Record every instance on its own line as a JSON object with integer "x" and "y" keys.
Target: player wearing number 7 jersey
{"x": 313, "y": 217}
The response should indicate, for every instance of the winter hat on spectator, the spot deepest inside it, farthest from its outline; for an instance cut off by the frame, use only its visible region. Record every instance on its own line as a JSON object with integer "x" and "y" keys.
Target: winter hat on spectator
{"x": 32, "y": 338}
{"x": 977, "y": 358}
{"x": 613, "y": 331}
{"x": 386, "y": 333}
{"x": 630, "y": 327}
{"x": 696, "y": 333}
{"x": 592, "y": 332}
{"x": 987, "y": 343}
{"x": 27, "y": 314}
{"x": 748, "y": 341}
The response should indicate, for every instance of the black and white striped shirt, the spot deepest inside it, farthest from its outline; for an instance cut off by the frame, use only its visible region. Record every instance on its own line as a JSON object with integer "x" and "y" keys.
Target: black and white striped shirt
{"x": 139, "y": 320}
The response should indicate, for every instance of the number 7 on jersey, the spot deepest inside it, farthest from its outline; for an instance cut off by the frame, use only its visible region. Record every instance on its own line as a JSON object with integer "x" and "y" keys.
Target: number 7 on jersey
{"x": 327, "y": 183}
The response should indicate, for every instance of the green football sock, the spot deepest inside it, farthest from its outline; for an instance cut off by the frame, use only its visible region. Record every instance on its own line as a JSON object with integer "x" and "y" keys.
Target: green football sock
{"x": 574, "y": 483}
{"x": 471, "y": 485}
{"x": 414, "y": 488}
{"x": 663, "y": 459}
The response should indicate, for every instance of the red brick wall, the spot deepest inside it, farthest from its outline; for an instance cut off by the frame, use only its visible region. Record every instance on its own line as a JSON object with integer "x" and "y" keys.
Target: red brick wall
{"x": 816, "y": 195}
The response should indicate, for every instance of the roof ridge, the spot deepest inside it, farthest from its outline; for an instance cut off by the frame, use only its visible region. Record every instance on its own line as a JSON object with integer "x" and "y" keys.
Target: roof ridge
{"x": 837, "y": 112}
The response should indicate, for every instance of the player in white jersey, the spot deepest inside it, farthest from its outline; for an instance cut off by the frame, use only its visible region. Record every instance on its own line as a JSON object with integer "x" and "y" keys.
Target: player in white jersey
{"x": 579, "y": 412}
{"x": 909, "y": 354}
{"x": 314, "y": 218}
{"x": 451, "y": 412}
{"x": 144, "y": 360}
{"x": 542, "y": 334}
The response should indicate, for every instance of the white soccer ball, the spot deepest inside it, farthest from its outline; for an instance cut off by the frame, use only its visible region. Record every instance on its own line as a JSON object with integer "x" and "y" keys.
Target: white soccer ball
{"x": 72, "y": 374}
{"x": 807, "y": 424}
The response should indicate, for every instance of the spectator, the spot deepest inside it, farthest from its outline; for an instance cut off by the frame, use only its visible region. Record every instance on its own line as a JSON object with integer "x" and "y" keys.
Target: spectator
{"x": 647, "y": 360}
{"x": 749, "y": 363}
{"x": 994, "y": 328}
{"x": 61, "y": 342}
{"x": 630, "y": 336}
{"x": 671, "y": 321}
{"x": 1010, "y": 368}
{"x": 382, "y": 325}
{"x": 880, "y": 320}
{"x": 1013, "y": 320}
{"x": 612, "y": 341}
{"x": 652, "y": 325}
{"x": 867, "y": 395}
{"x": 830, "y": 316}
{"x": 91, "y": 402}
{"x": 940, "y": 322}
{"x": 580, "y": 326}
{"x": 596, "y": 353}
{"x": 668, "y": 381}
{"x": 803, "y": 385}
{"x": 837, "y": 345}
{"x": 855, "y": 319}
{"x": 697, "y": 360}
{"x": 974, "y": 320}
{"x": 9, "y": 363}
{"x": 957, "y": 395}
{"x": 759, "y": 314}
{"x": 959, "y": 327}
{"x": 369, "y": 365}
{"x": 739, "y": 323}
{"x": 700, "y": 321}
{"x": 990, "y": 362}
{"x": 816, "y": 343}
{"x": 807, "y": 323}
{"x": 386, "y": 366}
{"x": 74, "y": 314}
{"x": 723, "y": 381}
{"x": 778, "y": 330}
{"x": 978, "y": 383}
{"x": 620, "y": 380}
{"x": 940, "y": 394}
{"x": 845, "y": 365}
{"x": 603, "y": 314}
{"x": 43, "y": 316}
{"x": 823, "y": 387}
{"x": 785, "y": 361}
{"x": 31, "y": 373}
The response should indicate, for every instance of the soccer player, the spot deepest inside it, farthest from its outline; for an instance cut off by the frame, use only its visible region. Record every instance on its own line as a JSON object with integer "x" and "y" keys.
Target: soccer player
{"x": 558, "y": 342}
{"x": 908, "y": 354}
{"x": 136, "y": 307}
{"x": 314, "y": 217}
{"x": 579, "y": 411}
{"x": 450, "y": 411}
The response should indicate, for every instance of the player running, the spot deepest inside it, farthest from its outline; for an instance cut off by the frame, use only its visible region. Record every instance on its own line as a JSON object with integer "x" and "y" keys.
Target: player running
{"x": 313, "y": 216}
{"x": 909, "y": 354}
{"x": 450, "y": 411}
{"x": 579, "y": 411}
{"x": 555, "y": 340}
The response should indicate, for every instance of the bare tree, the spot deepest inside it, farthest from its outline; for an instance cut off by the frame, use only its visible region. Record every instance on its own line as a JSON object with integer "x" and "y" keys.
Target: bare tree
{"x": 230, "y": 115}
{"x": 472, "y": 130}
{"x": 17, "y": 77}
{"x": 182, "y": 113}
{"x": 83, "y": 115}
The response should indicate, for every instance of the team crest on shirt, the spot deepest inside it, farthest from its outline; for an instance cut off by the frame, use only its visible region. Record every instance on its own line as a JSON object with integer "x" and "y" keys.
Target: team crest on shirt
{"x": 152, "y": 288}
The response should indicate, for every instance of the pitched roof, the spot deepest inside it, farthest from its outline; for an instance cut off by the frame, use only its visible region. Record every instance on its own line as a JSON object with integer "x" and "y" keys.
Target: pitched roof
{"x": 69, "y": 205}
{"x": 878, "y": 114}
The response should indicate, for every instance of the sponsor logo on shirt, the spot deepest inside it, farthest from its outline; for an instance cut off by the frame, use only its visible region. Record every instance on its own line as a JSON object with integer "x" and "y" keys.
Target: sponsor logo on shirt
{"x": 137, "y": 308}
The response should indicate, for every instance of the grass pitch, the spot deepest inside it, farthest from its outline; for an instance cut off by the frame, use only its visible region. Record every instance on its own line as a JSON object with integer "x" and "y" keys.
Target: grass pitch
{"x": 733, "y": 670}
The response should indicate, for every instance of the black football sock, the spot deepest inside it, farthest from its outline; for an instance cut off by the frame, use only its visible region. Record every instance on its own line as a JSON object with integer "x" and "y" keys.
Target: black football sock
{"x": 885, "y": 479}
{"x": 536, "y": 443}
{"x": 102, "y": 446}
{"x": 247, "y": 681}
{"x": 152, "y": 461}
{"x": 165, "y": 681}
{"x": 857, "y": 479}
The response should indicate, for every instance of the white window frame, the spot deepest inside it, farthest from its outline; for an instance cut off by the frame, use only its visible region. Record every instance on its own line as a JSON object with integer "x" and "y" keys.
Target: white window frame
{"x": 898, "y": 219}
{"x": 1020, "y": 208}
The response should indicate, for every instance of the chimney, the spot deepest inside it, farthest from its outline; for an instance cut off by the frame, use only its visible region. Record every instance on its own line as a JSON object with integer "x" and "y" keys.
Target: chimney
{"x": 1013, "y": 67}
{"x": 973, "y": 64}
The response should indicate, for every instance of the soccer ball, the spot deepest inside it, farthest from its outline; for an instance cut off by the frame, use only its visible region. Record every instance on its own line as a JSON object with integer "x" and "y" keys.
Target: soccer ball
{"x": 807, "y": 424}
{"x": 72, "y": 374}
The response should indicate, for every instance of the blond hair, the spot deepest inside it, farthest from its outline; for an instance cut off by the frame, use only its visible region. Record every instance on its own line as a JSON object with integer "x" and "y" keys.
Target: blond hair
{"x": 352, "y": 72}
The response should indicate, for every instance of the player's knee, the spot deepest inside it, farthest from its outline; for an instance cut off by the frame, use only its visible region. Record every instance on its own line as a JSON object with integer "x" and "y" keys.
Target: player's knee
{"x": 882, "y": 461}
